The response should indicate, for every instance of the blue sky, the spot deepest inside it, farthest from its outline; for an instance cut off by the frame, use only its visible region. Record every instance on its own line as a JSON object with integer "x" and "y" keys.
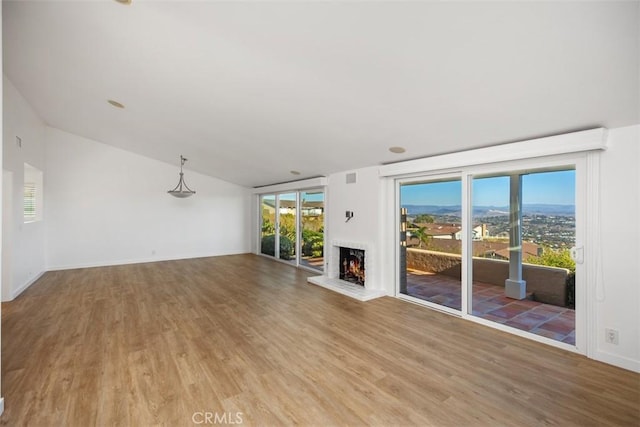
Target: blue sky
{"x": 313, "y": 197}
{"x": 435, "y": 193}
{"x": 557, "y": 188}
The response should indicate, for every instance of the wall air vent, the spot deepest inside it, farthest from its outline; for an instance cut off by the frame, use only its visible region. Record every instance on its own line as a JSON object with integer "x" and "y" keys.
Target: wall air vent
{"x": 351, "y": 178}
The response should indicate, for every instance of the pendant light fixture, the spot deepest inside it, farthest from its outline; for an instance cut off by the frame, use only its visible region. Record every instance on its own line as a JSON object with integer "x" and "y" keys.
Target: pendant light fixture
{"x": 181, "y": 191}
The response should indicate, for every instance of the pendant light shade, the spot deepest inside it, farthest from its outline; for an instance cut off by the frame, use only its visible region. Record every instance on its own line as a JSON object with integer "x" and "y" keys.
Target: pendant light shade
{"x": 181, "y": 190}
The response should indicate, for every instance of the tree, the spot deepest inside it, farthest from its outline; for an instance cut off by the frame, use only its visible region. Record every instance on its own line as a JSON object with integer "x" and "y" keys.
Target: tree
{"x": 268, "y": 245}
{"x": 267, "y": 227}
{"x": 554, "y": 258}
{"x": 312, "y": 243}
{"x": 424, "y": 218}
{"x": 288, "y": 226}
{"x": 421, "y": 234}
{"x": 313, "y": 222}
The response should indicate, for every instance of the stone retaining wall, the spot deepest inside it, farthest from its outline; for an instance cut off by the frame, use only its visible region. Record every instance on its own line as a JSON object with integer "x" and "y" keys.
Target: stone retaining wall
{"x": 548, "y": 284}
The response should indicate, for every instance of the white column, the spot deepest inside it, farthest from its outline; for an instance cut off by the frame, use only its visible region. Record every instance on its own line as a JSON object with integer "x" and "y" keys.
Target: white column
{"x": 403, "y": 251}
{"x": 514, "y": 286}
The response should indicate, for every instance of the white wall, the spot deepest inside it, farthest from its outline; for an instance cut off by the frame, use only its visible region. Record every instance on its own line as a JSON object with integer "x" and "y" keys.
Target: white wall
{"x": 618, "y": 306}
{"x": 2, "y": 194}
{"x": 23, "y": 244}
{"x": 105, "y": 206}
{"x": 109, "y": 206}
{"x": 363, "y": 199}
{"x": 372, "y": 201}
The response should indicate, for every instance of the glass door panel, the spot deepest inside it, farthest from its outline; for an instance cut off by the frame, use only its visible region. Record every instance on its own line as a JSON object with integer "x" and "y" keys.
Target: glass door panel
{"x": 523, "y": 274}
{"x": 287, "y": 226}
{"x": 311, "y": 245}
{"x": 268, "y": 224}
{"x": 431, "y": 233}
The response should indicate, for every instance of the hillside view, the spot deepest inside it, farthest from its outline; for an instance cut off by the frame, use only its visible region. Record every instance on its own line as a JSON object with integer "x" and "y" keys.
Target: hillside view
{"x": 552, "y": 226}
{"x": 548, "y": 231}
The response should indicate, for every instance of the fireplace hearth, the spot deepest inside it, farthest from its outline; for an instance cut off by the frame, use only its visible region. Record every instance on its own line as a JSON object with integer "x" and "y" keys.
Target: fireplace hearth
{"x": 352, "y": 268}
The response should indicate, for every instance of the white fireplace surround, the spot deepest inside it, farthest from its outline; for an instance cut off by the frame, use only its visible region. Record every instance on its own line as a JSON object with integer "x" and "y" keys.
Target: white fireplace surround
{"x": 331, "y": 278}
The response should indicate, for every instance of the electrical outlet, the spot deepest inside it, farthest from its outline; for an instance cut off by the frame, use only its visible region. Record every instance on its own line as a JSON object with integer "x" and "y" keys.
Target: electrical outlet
{"x": 611, "y": 336}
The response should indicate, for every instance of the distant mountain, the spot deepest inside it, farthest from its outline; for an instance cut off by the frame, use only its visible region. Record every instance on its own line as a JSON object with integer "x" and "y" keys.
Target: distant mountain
{"x": 542, "y": 209}
{"x": 433, "y": 210}
{"x": 480, "y": 211}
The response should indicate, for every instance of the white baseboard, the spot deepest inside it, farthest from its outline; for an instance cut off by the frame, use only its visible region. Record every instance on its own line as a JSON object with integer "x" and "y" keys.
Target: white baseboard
{"x": 621, "y": 362}
{"x": 1, "y": 405}
{"x": 25, "y": 285}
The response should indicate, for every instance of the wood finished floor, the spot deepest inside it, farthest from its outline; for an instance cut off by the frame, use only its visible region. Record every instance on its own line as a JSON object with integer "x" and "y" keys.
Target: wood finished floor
{"x": 150, "y": 344}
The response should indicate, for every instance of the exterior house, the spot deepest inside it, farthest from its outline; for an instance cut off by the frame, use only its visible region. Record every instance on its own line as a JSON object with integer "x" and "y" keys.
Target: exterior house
{"x": 453, "y": 231}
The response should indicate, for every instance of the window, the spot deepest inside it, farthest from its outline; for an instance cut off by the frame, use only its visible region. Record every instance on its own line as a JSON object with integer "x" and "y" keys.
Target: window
{"x": 497, "y": 244}
{"x": 29, "y": 201}
{"x": 529, "y": 222}
{"x": 431, "y": 254}
{"x": 524, "y": 209}
{"x": 32, "y": 194}
{"x": 292, "y": 227}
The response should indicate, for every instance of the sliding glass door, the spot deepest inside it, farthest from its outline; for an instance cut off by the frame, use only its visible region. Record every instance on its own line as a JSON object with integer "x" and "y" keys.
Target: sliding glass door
{"x": 431, "y": 249}
{"x": 495, "y": 244}
{"x": 311, "y": 243}
{"x": 287, "y": 226}
{"x": 292, "y": 227}
{"x": 523, "y": 272}
{"x": 268, "y": 224}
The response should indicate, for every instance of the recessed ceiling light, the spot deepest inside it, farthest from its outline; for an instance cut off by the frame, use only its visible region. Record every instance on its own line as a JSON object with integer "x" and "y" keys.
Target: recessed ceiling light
{"x": 115, "y": 103}
{"x": 294, "y": 172}
{"x": 397, "y": 150}
{"x": 124, "y": 1}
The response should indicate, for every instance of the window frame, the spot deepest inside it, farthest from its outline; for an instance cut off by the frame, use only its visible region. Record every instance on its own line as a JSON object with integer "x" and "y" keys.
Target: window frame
{"x": 287, "y": 190}
{"x": 587, "y": 176}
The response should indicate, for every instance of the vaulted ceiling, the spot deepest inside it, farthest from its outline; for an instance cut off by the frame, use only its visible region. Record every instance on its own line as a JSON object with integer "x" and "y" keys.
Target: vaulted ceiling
{"x": 251, "y": 90}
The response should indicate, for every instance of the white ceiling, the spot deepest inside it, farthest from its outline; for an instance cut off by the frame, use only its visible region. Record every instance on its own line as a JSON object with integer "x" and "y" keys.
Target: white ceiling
{"x": 249, "y": 91}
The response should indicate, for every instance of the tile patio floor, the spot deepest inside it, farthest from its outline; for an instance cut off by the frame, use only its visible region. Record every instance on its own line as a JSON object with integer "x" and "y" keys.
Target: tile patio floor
{"x": 317, "y": 262}
{"x": 489, "y": 303}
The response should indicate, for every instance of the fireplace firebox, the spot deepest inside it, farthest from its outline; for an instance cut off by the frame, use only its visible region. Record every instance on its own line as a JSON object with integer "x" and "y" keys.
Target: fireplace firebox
{"x": 352, "y": 265}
